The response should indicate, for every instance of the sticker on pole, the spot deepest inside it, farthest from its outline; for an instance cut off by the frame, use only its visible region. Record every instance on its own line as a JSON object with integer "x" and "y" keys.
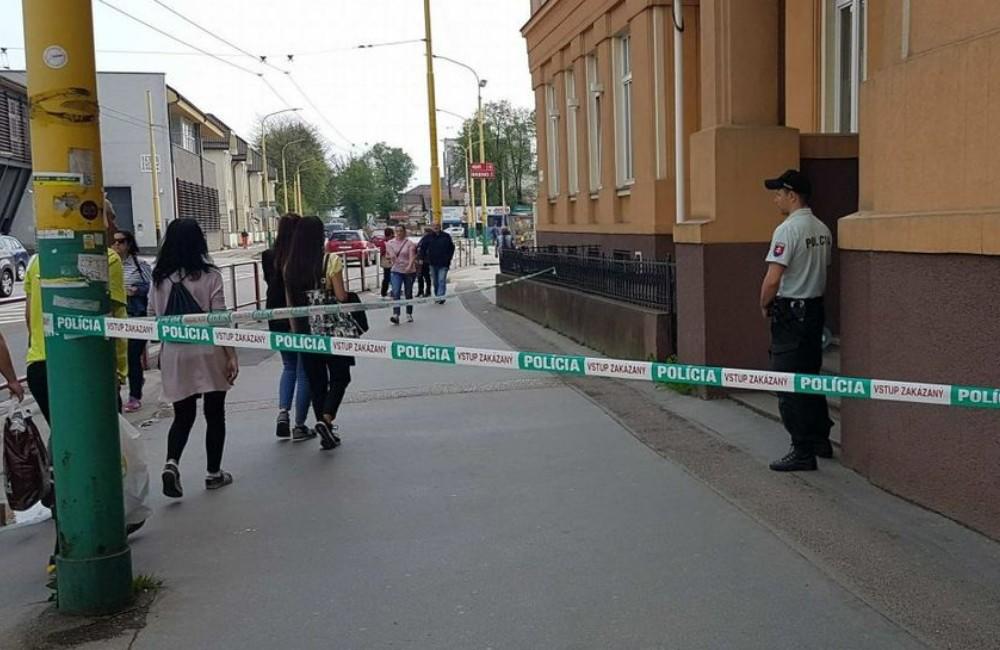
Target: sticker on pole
{"x": 55, "y": 57}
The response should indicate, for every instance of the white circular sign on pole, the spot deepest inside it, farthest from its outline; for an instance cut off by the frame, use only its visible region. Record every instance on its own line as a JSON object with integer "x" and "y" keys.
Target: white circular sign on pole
{"x": 55, "y": 57}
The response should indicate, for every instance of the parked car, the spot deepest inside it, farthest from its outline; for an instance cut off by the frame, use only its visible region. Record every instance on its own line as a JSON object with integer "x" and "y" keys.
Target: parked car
{"x": 354, "y": 244}
{"x": 9, "y": 244}
{"x": 8, "y": 272}
{"x": 455, "y": 231}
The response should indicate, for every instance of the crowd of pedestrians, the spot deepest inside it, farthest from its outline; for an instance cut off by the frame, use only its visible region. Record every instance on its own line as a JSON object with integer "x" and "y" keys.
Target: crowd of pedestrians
{"x": 184, "y": 280}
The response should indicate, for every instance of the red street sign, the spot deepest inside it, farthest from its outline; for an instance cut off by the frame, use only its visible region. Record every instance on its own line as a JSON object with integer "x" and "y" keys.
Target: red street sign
{"x": 483, "y": 170}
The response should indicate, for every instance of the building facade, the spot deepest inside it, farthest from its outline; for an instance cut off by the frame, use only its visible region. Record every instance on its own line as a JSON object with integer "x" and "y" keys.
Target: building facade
{"x": 196, "y": 178}
{"x": 890, "y": 107}
{"x": 15, "y": 158}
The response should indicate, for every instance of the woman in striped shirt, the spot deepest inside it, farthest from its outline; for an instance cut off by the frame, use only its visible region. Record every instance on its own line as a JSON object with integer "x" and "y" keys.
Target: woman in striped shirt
{"x": 137, "y": 279}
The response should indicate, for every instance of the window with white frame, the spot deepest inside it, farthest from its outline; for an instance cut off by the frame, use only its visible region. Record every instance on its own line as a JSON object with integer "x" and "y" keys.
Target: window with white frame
{"x": 188, "y": 138}
{"x": 552, "y": 139}
{"x": 847, "y": 52}
{"x": 572, "y": 105}
{"x": 595, "y": 91}
{"x": 623, "y": 110}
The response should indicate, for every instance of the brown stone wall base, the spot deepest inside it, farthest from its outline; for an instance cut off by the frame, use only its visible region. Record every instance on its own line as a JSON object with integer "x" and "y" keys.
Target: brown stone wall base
{"x": 617, "y": 329}
{"x": 718, "y": 318}
{"x": 932, "y": 318}
{"x": 653, "y": 247}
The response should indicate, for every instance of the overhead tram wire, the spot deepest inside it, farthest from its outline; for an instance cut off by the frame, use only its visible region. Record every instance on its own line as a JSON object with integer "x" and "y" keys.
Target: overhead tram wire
{"x": 259, "y": 58}
{"x": 174, "y": 38}
{"x": 263, "y": 60}
{"x": 201, "y": 50}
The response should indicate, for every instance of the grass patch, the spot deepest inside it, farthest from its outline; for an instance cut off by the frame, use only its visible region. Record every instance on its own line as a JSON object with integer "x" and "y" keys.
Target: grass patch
{"x": 145, "y": 584}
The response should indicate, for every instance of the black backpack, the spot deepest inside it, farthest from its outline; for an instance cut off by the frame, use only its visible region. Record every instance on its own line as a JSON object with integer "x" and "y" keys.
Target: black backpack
{"x": 180, "y": 301}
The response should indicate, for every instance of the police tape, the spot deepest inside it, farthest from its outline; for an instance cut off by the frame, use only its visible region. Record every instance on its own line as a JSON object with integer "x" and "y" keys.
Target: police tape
{"x": 670, "y": 373}
{"x": 282, "y": 313}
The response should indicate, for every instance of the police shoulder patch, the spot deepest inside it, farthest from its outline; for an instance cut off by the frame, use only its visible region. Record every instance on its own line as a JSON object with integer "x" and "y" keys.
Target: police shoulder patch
{"x": 779, "y": 249}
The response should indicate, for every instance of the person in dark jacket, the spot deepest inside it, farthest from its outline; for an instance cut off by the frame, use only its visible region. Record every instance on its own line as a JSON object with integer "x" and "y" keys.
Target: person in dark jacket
{"x": 424, "y": 285}
{"x": 294, "y": 382}
{"x": 440, "y": 251}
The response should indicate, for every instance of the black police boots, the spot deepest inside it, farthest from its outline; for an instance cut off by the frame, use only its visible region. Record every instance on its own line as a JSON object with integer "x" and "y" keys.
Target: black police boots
{"x": 823, "y": 448}
{"x": 796, "y": 460}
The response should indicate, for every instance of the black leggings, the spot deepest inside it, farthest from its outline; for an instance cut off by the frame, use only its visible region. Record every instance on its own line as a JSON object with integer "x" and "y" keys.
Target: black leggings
{"x": 135, "y": 378}
{"x": 185, "y": 412}
{"x": 424, "y": 280}
{"x": 329, "y": 376}
{"x": 386, "y": 277}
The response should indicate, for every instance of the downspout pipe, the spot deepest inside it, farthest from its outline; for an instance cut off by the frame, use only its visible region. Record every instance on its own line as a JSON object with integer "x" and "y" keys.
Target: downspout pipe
{"x": 680, "y": 166}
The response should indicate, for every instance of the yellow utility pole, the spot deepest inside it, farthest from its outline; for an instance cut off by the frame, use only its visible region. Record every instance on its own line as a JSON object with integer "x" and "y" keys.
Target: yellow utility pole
{"x": 482, "y": 158}
{"x": 93, "y": 560}
{"x": 152, "y": 163}
{"x": 298, "y": 183}
{"x": 432, "y": 118}
{"x": 284, "y": 173}
{"x": 265, "y": 215}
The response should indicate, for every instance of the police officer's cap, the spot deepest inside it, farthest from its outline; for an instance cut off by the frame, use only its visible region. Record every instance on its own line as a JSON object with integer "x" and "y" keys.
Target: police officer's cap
{"x": 793, "y": 180}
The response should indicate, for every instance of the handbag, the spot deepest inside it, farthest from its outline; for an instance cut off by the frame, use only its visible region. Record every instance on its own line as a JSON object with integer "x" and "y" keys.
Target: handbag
{"x": 336, "y": 324}
{"x": 27, "y": 479}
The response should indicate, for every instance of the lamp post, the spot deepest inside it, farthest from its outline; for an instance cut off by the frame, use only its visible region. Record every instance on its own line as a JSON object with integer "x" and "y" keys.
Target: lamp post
{"x": 480, "y": 84}
{"x": 470, "y": 189}
{"x": 263, "y": 146}
{"x": 284, "y": 173}
{"x": 298, "y": 183}
{"x": 432, "y": 117}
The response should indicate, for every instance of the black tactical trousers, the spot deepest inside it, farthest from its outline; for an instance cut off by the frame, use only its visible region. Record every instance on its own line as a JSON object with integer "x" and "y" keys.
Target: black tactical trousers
{"x": 797, "y": 346}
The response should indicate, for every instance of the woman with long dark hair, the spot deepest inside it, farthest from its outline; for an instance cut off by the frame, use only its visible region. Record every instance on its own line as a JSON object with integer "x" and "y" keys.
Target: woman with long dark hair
{"x": 185, "y": 281}
{"x": 138, "y": 277}
{"x": 308, "y": 270}
{"x": 293, "y": 382}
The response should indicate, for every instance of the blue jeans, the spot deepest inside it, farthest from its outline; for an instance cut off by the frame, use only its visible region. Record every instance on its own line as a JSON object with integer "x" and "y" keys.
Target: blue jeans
{"x": 401, "y": 281}
{"x": 439, "y": 276}
{"x": 293, "y": 375}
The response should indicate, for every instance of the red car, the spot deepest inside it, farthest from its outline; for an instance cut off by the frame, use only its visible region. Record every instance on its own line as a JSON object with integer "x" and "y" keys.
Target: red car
{"x": 353, "y": 244}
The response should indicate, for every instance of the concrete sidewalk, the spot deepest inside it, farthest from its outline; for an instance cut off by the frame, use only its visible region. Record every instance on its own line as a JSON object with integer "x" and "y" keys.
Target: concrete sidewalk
{"x": 467, "y": 508}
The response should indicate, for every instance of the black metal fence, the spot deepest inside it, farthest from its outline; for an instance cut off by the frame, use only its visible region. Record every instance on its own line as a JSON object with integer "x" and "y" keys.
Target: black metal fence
{"x": 650, "y": 284}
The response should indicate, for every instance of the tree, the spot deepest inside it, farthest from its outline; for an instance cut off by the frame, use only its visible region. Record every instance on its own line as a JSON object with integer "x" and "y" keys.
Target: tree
{"x": 305, "y": 148}
{"x": 354, "y": 190}
{"x": 392, "y": 169}
{"x": 370, "y": 183}
{"x": 510, "y": 146}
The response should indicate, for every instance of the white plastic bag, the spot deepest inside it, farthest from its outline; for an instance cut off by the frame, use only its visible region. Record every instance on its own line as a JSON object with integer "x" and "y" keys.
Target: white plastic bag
{"x": 135, "y": 485}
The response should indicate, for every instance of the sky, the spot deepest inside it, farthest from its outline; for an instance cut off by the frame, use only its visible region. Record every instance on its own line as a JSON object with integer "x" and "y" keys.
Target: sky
{"x": 368, "y": 95}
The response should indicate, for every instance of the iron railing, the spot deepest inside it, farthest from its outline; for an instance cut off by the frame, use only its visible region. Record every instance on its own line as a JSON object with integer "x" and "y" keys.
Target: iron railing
{"x": 645, "y": 283}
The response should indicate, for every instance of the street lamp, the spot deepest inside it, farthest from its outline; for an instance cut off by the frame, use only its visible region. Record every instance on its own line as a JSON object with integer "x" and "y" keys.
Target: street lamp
{"x": 263, "y": 146}
{"x": 284, "y": 172}
{"x": 298, "y": 183}
{"x": 470, "y": 188}
{"x": 480, "y": 84}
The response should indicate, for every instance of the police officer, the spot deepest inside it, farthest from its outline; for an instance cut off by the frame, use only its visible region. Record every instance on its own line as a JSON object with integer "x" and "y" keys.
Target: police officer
{"x": 792, "y": 297}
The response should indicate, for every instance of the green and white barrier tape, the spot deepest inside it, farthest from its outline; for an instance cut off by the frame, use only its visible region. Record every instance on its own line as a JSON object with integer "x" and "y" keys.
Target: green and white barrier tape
{"x": 832, "y": 386}
{"x": 255, "y": 315}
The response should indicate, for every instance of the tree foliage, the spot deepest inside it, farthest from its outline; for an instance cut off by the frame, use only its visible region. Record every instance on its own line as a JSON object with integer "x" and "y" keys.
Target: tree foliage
{"x": 370, "y": 183}
{"x": 305, "y": 147}
{"x": 510, "y": 144}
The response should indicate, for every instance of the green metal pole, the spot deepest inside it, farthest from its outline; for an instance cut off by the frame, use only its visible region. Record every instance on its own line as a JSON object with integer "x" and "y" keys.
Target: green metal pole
{"x": 94, "y": 562}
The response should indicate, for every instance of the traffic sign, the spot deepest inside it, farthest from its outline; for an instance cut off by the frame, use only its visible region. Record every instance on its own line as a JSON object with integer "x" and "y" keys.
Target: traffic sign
{"x": 483, "y": 170}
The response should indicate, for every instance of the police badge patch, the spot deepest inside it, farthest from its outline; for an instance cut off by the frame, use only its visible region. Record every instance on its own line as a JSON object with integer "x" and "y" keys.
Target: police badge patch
{"x": 779, "y": 249}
